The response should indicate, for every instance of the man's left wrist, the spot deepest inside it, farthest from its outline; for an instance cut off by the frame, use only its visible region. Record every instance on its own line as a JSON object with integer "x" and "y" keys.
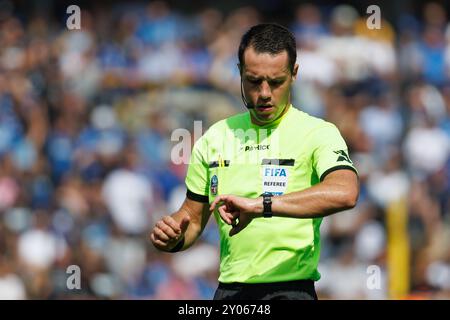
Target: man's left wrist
{"x": 267, "y": 205}
{"x": 259, "y": 207}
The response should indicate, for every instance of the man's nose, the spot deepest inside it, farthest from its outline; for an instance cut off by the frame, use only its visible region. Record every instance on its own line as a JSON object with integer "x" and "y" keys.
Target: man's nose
{"x": 265, "y": 92}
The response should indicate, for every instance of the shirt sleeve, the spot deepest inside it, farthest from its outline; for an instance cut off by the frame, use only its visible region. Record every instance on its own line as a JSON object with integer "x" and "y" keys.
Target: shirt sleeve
{"x": 330, "y": 151}
{"x": 196, "y": 181}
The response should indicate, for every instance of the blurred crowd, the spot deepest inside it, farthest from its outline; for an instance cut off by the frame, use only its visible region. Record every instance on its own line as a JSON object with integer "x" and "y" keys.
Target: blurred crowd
{"x": 86, "y": 122}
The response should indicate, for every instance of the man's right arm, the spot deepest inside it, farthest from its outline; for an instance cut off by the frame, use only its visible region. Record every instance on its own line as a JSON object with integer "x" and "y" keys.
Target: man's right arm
{"x": 185, "y": 225}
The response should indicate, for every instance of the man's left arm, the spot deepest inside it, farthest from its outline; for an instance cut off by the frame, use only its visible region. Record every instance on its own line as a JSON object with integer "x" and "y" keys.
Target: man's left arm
{"x": 337, "y": 192}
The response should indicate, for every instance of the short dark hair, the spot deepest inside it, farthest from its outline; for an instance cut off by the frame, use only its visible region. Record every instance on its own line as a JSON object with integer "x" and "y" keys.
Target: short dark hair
{"x": 269, "y": 38}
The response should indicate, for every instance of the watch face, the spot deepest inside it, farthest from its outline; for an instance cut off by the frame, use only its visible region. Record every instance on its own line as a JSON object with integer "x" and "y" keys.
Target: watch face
{"x": 267, "y": 201}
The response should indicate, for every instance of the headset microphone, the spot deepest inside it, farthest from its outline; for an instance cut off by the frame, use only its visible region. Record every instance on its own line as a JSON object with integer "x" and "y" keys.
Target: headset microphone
{"x": 246, "y": 104}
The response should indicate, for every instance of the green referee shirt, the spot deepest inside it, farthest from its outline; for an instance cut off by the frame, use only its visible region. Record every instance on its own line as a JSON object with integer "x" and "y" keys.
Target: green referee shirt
{"x": 291, "y": 154}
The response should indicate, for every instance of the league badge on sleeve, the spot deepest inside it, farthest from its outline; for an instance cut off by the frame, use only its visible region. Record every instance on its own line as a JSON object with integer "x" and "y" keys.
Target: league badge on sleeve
{"x": 214, "y": 184}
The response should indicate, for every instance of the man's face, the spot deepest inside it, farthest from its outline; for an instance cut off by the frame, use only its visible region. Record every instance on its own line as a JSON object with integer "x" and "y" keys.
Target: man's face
{"x": 267, "y": 83}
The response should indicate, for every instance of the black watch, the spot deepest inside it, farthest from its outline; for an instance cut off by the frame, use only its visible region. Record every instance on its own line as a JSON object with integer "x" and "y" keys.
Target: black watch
{"x": 267, "y": 203}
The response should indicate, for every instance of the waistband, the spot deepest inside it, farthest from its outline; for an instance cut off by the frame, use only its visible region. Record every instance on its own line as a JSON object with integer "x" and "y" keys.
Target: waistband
{"x": 308, "y": 284}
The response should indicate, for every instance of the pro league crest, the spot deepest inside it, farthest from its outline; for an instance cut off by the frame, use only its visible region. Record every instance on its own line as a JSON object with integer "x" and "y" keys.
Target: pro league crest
{"x": 214, "y": 184}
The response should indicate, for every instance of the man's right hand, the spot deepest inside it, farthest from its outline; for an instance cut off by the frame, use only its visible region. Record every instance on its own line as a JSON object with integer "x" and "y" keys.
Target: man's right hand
{"x": 168, "y": 232}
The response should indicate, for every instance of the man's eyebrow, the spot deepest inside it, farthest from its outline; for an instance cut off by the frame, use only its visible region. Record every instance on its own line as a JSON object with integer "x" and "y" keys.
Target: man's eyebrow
{"x": 278, "y": 78}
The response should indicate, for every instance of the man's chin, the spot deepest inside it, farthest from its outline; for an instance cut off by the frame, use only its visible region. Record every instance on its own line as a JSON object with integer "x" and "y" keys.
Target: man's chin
{"x": 265, "y": 118}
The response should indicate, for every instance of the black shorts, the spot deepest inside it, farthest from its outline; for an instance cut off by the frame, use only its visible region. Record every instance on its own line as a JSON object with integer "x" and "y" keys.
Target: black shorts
{"x": 290, "y": 290}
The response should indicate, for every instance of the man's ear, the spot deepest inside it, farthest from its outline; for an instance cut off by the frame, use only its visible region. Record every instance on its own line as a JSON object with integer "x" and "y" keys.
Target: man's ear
{"x": 295, "y": 72}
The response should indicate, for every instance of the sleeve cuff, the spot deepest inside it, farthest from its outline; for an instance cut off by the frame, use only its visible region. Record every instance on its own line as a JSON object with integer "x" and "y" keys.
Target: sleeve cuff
{"x": 327, "y": 172}
{"x": 179, "y": 246}
{"x": 197, "y": 197}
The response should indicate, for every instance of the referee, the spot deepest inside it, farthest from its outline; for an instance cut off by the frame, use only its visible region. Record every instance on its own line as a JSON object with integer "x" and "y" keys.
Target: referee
{"x": 269, "y": 176}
